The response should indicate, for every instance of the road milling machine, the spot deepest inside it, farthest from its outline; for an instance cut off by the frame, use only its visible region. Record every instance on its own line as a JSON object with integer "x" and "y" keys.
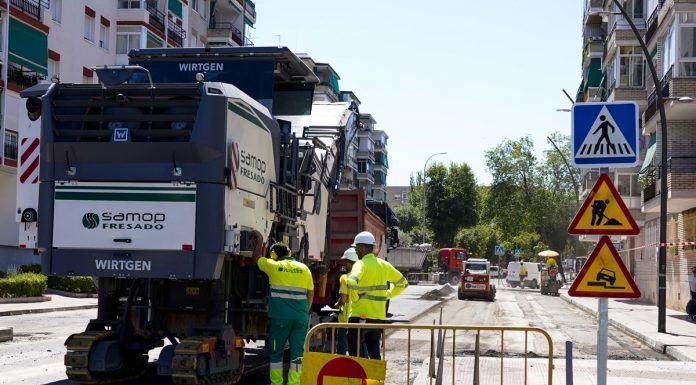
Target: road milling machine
{"x": 161, "y": 181}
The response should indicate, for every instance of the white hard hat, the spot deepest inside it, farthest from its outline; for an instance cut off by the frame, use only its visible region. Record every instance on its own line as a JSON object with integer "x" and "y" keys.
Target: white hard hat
{"x": 350, "y": 255}
{"x": 364, "y": 238}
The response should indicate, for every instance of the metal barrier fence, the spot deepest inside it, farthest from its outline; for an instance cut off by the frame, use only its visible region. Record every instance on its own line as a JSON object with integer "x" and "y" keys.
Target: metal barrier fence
{"x": 320, "y": 334}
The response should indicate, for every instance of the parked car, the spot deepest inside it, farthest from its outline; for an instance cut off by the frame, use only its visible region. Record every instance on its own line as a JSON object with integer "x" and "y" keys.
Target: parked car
{"x": 494, "y": 272}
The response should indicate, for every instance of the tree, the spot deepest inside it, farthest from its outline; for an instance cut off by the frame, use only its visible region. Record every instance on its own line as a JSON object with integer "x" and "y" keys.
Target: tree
{"x": 531, "y": 201}
{"x": 452, "y": 201}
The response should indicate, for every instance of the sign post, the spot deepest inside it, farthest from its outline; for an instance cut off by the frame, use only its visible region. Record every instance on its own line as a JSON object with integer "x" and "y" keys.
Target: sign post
{"x": 604, "y": 135}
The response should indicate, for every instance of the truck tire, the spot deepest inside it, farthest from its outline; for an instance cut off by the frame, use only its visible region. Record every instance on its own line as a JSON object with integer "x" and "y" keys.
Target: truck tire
{"x": 491, "y": 294}
{"x": 460, "y": 295}
{"x": 535, "y": 284}
{"x": 454, "y": 280}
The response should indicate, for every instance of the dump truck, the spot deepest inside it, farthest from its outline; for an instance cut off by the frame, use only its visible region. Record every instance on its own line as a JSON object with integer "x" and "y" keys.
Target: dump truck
{"x": 162, "y": 181}
{"x": 412, "y": 262}
{"x": 451, "y": 262}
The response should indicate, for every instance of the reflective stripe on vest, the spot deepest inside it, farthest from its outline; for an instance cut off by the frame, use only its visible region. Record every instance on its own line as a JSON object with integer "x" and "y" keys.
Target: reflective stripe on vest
{"x": 372, "y": 297}
{"x": 368, "y": 288}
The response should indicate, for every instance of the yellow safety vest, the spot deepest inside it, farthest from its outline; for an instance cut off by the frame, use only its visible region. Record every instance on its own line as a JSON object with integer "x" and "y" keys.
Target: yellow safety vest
{"x": 369, "y": 291}
{"x": 345, "y": 309}
{"x": 290, "y": 282}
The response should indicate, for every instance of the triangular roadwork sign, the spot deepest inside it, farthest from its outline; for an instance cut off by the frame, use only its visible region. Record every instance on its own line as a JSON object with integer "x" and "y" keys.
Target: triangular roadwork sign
{"x": 604, "y": 139}
{"x": 603, "y": 212}
{"x": 604, "y": 275}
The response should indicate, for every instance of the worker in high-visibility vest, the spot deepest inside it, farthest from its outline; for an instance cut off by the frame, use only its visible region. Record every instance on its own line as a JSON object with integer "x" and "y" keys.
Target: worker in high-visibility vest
{"x": 290, "y": 299}
{"x": 369, "y": 292}
{"x": 349, "y": 257}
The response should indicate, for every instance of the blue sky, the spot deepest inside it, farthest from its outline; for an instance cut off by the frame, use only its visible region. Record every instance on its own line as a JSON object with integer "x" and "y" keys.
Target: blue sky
{"x": 455, "y": 76}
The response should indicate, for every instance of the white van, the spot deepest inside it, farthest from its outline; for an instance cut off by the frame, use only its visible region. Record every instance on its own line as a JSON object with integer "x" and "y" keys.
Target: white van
{"x": 533, "y": 275}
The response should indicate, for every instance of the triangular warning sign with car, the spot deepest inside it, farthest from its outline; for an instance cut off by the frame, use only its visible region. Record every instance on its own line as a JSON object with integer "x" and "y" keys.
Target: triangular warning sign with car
{"x": 603, "y": 212}
{"x": 604, "y": 275}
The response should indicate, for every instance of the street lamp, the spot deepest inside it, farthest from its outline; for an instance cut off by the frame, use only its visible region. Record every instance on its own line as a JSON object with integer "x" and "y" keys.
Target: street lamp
{"x": 662, "y": 258}
{"x": 423, "y": 192}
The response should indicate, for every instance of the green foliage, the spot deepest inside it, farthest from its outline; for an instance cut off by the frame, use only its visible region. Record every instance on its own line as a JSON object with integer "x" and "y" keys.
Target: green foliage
{"x": 531, "y": 200}
{"x": 409, "y": 216}
{"x": 22, "y": 285}
{"x": 479, "y": 240}
{"x": 3, "y": 274}
{"x": 451, "y": 201}
{"x": 72, "y": 284}
{"x": 33, "y": 268}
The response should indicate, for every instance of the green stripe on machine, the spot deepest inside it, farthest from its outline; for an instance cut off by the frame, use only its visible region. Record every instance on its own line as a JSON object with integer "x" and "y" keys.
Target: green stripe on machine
{"x": 246, "y": 115}
{"x": 137, "y": 197}
{"x": 102, "y": 188}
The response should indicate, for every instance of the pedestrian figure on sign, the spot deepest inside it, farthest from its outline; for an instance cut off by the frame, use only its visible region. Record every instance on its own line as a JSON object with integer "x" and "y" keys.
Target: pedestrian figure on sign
{"x": 598, "y": 208}
{"x": 604, "y": 126}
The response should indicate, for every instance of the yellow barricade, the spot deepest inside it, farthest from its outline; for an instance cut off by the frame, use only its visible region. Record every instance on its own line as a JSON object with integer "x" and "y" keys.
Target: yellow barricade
{"x": 333, "y": 369}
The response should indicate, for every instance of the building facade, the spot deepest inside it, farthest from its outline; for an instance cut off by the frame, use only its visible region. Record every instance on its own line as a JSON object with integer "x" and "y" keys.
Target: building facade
{"x": 61, "y": 40}
{"x": 614, "y": 69}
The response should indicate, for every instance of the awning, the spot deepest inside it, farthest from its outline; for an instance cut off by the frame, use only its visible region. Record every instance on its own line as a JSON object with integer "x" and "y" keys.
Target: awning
{"x": 28, "y": 47}
{"x": 176, "y": 8}
{"x": 649, "y": 154}
{"x": 594, "y": 73}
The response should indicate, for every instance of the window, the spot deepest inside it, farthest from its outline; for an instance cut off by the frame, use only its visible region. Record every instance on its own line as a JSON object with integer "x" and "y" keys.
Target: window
{"x": 129, "y": 4}
{"x": 668, "y": 52}
{"x": 631, "y": 67}
{"x": 53, "y": 68}
{"x": 628, "y": 185}
{"x": 634, "y": 8}
{"x": 104, "y": 37}
{"x": 362, "y": 166}
{"x": 89, "y": 28}
{"x": 11, "y": 145}
{"x": 687, "y": 44}
{"x": 56, "y": 10}
{"x": 127, "y": 38}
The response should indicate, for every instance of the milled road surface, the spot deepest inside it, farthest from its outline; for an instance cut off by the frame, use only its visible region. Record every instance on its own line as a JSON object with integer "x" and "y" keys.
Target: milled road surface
{"x": 36, "y": 354}
{"x": 512, "y": 307}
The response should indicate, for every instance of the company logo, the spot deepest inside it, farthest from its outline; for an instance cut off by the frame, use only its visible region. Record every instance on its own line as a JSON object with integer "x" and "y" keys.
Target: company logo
{"x": 120, "y": 134}
{"x": 201, "y": 67}
{"x": 124, "y": 221}
{"x": 90, "y": 220}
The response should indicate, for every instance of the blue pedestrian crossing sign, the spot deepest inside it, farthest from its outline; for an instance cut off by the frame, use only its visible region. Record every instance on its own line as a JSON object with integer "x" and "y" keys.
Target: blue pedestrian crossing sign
{"x": 605, "y": 134}
{"x": 499, "y": 250}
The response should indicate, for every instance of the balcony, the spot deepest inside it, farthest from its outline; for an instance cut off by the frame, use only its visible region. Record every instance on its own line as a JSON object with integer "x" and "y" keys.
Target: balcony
{"x": 225, "y": 34}
{"x": 681, "y": 186}
{"x": 250, "y": 11}
{"x": 366, "y": 176}
{"x": 380, "y": 146}
{"x": 366, "y": 155}
{"x": 176, "y": 34}
{"x": 651, "y": 23}
{"x": 22, "y": 78}
{"x": 652, "y": 98}
{"x": 156, "y": 17}
{"x": 33, "y": 8}
{"x": 592, "y": 11}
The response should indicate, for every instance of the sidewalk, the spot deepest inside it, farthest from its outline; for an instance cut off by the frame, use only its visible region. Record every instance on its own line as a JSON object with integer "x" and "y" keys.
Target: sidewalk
{"x": 57, "y": 303}
{"x": 640, "y": 321}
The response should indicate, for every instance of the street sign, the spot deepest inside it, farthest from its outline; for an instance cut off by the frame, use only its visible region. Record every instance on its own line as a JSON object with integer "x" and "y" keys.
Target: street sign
{"x": 518, "y": 252}
{"x": 605, "y": 134}
{"x": 499, "y": 250}
{"x": 604, "y": 275}
{"x": 324, "y": 368}
{"x": 603, "y": 212}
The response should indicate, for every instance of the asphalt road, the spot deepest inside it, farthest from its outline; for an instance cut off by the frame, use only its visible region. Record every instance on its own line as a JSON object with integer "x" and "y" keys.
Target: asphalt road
{"x": 35, "y": 356}
{"x": 512, "y": 307}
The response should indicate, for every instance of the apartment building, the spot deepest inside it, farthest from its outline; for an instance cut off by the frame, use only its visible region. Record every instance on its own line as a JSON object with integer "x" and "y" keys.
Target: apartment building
{"x": 61, "y": 40}
{"x": 398, "y": 195}
{"x": 366, "y": 164}
{"x": 614, "y": 68}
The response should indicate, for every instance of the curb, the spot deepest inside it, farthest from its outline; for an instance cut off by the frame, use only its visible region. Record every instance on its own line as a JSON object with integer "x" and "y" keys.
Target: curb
{"x": 16, "y": 300}
{"x": 45, "y": 310}
{"x": 5, "y": 334}
{"x": 71, "y": 294}
{"x": 653, "y": 344}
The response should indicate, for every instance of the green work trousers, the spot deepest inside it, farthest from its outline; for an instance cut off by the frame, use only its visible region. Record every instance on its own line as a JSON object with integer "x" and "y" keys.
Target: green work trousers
{"x": 283, "y": 331}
